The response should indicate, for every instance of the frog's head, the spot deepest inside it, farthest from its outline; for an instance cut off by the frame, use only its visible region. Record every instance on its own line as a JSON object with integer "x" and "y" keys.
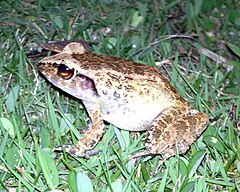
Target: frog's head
{"x": 62, "y": 70}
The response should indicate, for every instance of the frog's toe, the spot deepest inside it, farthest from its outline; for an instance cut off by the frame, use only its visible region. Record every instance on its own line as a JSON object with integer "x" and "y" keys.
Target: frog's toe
{"x": 92, "y": 152}
{"x": 58, "y": 148}
{"x": 138, "y": 155}
{"x": 76, "y": 152}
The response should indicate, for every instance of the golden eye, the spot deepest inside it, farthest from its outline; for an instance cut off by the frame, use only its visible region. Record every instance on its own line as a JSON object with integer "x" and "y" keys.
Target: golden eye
{"x": 65, "y": 72}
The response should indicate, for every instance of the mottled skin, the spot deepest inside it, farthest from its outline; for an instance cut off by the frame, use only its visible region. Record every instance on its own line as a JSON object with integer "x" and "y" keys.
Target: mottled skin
{"x": 129, "y": 95}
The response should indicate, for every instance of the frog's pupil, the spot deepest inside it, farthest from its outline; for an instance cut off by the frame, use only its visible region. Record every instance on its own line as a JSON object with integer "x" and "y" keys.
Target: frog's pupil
{"x": 63, "y": 68}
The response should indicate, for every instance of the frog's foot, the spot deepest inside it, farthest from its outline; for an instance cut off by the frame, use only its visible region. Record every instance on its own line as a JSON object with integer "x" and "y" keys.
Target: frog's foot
{"x": 138, "y": 155}
{"x": 77, "y": 152}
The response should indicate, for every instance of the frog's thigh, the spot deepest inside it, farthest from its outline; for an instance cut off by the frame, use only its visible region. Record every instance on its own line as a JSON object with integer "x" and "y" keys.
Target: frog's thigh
{"x": 183, "y": 131}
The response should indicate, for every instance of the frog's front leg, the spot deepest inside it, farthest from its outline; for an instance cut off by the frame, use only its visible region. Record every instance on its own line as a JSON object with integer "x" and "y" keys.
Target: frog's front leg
{"x": 90, "y": 138}
{"x": 174, "y": 128}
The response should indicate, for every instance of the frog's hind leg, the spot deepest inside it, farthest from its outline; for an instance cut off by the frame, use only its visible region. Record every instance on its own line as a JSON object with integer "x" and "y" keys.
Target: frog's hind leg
{"x": 173, "y": 129}
{"x": 164, "y": 135}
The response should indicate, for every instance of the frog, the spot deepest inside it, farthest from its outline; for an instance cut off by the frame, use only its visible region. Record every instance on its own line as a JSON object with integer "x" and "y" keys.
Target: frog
{"x": 129, "y": 95}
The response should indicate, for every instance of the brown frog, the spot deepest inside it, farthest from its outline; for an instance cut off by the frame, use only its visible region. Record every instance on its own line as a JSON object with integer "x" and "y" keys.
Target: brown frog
{"x": 129, "y": 95}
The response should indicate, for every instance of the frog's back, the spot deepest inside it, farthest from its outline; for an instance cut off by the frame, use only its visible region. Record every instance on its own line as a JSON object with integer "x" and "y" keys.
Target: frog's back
{"x": 104, "y": 63}
{"x": 126, "y": 77}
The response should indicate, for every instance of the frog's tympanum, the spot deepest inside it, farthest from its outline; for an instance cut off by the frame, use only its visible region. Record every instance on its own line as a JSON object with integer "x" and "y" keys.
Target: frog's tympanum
{"x": 129, "y": 95}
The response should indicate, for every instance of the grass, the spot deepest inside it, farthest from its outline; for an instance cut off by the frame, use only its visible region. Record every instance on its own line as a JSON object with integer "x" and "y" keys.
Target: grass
{"x": 35, "y": 117}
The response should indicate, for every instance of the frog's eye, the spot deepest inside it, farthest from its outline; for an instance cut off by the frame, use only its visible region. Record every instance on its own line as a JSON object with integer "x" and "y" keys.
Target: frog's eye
{"x": 65, "y": 72}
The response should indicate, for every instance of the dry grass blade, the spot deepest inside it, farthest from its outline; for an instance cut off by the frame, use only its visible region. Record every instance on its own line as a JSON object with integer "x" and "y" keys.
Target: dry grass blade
{"x": 215, "y": 57}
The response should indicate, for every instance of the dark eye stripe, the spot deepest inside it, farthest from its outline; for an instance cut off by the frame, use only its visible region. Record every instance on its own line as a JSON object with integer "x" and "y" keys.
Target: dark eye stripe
{"x": 65, "y": 72}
